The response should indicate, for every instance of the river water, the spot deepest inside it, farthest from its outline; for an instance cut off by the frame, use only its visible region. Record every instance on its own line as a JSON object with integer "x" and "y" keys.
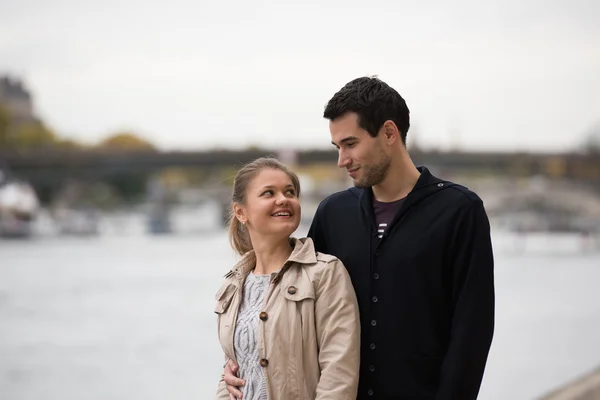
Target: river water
{"x": 131, "y": 316}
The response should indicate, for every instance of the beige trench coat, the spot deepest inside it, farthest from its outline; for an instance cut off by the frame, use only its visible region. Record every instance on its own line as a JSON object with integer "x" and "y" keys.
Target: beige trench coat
{"x": 309, "y": 329}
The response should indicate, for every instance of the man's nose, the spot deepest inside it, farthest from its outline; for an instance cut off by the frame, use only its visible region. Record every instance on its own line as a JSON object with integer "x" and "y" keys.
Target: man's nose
{"x": 343, "y": 159}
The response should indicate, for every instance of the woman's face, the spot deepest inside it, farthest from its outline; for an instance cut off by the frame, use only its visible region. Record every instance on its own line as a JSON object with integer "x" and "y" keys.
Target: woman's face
{"x": 272, "y": 207}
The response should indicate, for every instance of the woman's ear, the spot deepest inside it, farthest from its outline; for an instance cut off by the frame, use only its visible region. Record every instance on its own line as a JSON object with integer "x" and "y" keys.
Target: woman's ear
{"x": 239, "y": 213}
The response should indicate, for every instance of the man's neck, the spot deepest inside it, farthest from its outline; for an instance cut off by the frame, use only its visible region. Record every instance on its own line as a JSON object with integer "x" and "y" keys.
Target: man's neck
{"x": 271, "y": 255}
{"x": 399, "y": 181}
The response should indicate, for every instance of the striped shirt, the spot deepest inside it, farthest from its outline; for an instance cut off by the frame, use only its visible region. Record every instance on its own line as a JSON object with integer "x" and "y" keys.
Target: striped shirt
{"x": 384, "y": 213}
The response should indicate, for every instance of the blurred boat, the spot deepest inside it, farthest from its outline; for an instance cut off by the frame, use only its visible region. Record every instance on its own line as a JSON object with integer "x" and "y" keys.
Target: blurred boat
{"x": 19, "y": 206}
{"x": 77, "y": 221}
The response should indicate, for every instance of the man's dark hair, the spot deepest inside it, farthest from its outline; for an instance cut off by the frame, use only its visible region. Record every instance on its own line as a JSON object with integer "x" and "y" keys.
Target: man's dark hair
{"x": 374, "y": 101}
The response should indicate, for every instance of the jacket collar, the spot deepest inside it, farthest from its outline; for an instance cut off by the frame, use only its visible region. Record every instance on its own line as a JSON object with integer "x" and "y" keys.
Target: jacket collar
{"x": 303, "y": 253}
{"x": 426, "y": 184}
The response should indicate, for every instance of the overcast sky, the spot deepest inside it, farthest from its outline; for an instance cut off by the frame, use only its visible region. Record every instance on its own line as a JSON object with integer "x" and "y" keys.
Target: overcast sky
{"x": 500, "y": 75}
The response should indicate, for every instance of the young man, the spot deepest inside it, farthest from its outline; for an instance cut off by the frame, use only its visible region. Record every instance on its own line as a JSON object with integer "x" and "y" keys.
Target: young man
{"x": 418, "y": 251}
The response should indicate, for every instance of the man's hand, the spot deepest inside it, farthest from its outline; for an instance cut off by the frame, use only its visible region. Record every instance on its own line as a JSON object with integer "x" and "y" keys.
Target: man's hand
{"x": 232, "y": 381}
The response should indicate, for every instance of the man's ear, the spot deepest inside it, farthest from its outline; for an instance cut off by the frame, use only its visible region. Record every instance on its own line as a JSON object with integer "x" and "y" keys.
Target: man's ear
{"x": 391, "y": 132}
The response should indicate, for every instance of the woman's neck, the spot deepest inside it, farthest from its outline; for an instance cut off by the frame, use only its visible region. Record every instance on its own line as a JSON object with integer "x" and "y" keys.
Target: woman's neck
{"x": 271, "y": 255}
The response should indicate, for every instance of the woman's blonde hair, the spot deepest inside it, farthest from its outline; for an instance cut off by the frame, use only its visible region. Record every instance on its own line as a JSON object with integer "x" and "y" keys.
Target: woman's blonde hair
{"x": 239, "y": 237}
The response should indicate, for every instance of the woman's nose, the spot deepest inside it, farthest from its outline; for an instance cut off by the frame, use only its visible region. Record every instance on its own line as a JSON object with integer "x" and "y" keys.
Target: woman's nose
{"x": 281, "y": 199}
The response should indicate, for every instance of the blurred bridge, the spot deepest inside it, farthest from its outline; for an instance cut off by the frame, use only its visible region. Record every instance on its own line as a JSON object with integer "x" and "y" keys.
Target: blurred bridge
{"x": 541, "y": 205}
{"x": 528, "y": 191}
{"x": 55, "y": 166}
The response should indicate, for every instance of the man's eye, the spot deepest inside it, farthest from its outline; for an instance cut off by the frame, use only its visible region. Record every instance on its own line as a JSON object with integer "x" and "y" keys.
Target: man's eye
{"x": 351, "y": 144}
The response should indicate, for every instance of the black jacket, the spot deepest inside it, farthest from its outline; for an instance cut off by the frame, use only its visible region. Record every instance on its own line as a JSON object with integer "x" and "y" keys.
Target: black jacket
{"x": 425, "y": 289}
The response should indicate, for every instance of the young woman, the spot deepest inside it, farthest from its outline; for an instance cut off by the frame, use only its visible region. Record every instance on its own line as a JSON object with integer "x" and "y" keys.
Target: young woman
{"x": 287, "y": 315}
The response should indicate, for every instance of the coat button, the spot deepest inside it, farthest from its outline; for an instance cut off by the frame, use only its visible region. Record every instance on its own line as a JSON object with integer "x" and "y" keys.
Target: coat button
{"x": 375, "y": 276}
{"x": 440, "y": 184}
{"x": 292, "y": 290}
{"x": 371, "y": 368}
{"x": 375, "y": 299}
{"x": 263, "y": 316}
{"x": 263, "y": 362}
{"x": 372, "y": 346}
{"x": 370, "y": 392}
{"x": 373, "y": 323}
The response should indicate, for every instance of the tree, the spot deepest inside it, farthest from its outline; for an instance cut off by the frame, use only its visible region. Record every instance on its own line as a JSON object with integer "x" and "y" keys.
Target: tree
{"x": 126, "y": 141}
{"x": 69, "y": 144}
{"x": 32, "y": 135}
{"x": 5, "y": 126}
{"x": 129, "y": 186}
{"x": 25, "y": 135}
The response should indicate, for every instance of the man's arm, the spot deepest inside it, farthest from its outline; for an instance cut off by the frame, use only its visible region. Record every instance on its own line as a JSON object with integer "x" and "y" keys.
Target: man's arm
{"x": 230, "y": 382}
{"x": 222, "y": 393}
{"x": 316, "y": 232}
{"x": 473, "y": 298}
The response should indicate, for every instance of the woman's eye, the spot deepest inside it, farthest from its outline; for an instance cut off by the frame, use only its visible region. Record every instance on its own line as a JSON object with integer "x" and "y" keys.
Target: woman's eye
{"x": 268, "y": 192}
{"x": 291, "y": 191}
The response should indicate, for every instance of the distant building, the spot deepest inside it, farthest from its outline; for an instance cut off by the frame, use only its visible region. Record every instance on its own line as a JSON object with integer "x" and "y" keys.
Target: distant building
{"x": 17, "y": 99}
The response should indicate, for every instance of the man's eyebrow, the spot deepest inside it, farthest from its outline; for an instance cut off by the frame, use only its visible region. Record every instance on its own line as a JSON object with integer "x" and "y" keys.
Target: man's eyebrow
{"x": 345, "y": 140}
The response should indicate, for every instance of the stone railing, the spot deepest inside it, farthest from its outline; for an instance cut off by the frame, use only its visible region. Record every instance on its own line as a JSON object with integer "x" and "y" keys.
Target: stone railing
{"x": 585, "y": 388}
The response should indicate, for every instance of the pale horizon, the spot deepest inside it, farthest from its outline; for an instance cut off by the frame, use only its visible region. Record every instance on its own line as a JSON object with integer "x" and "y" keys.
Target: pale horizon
{"x": 511, "y": 76}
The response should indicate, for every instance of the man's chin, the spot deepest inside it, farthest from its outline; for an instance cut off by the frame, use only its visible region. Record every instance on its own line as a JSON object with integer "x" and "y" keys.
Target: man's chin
{"x": 360, "y": 184}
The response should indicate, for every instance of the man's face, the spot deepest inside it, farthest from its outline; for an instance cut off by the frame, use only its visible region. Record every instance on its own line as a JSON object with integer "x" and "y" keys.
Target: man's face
{"x": 363, "y": 156}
